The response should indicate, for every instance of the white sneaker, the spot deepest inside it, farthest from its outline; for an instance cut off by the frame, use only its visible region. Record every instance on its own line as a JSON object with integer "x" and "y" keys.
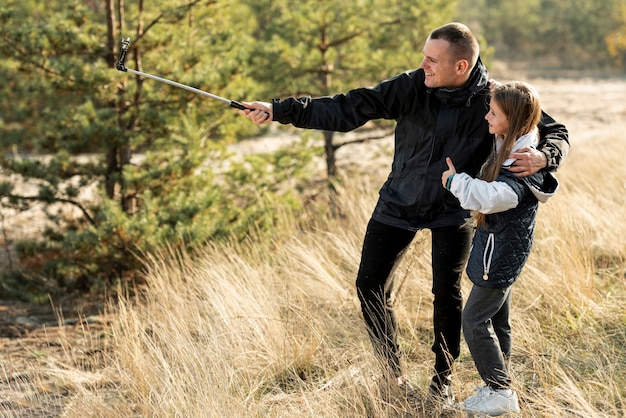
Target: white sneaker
{"x": 492, "y": 402}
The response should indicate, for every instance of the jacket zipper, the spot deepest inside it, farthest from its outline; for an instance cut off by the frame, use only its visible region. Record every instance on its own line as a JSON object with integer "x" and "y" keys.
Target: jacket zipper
{"x": 488, "y": 255}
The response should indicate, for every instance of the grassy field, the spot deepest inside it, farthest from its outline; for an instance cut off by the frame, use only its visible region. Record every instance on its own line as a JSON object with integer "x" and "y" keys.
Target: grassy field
{"x": 273, "y": 329}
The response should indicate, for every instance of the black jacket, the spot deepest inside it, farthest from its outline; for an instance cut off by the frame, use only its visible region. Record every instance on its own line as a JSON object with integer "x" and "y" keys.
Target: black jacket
{"x": 432, "y": 124}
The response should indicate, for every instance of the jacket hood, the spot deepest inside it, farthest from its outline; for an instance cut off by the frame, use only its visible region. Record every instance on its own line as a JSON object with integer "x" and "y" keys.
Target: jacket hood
{"x": 479, "y": 79}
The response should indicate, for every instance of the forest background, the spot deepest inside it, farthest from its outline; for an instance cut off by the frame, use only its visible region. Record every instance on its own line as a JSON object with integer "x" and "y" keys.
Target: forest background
{"x": 121, "y": 165}
{"x": 114, "y": 185}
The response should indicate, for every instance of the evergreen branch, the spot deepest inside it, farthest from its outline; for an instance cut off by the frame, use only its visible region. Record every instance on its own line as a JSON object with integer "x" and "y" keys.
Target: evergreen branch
{"x": 343, "y": 40}
{"x": 89, "y": 218}
{"x": 176, "y": 10}
{"x": 25, "y": 58}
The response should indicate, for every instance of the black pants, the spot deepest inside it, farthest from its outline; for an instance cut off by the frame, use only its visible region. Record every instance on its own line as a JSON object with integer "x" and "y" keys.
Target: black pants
{"x": 382, "y": 248}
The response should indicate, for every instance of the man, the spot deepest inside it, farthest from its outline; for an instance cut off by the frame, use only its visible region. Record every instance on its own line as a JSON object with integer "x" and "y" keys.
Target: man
{"x": 439, "y": 109}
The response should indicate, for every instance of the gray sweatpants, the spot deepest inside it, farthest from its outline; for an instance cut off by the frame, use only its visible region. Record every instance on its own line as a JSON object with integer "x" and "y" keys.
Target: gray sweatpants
{"x": 487, "y": 332}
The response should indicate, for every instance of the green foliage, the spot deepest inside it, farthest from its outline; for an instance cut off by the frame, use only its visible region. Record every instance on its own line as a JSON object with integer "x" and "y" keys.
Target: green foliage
{"x": 616, "y": 39}
{"x": 180, "y": 208}
{"x": 566, "y": 34}
{"x": 123, "y": 165}
{"x": 86, "y": 126}
{"x": 325, "y": 47}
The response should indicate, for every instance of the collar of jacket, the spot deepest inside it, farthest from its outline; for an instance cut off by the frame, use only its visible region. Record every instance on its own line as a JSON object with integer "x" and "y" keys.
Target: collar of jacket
{"x": 479, "y": 78}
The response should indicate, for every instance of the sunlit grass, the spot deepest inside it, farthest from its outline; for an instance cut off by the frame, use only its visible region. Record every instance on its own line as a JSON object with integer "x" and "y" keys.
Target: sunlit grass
{"x": 273, "y": 329}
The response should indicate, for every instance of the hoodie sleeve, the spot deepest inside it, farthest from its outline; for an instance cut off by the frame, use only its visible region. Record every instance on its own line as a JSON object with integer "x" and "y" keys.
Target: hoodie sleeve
{"x": 482, "y": 196}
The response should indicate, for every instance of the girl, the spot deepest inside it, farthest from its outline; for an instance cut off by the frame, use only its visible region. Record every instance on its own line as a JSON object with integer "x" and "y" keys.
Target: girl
{"x": 504, "y": 210}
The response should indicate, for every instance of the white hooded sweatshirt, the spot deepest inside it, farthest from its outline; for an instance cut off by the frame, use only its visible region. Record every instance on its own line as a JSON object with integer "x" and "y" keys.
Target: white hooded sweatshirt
{"x": 495, "y": 196}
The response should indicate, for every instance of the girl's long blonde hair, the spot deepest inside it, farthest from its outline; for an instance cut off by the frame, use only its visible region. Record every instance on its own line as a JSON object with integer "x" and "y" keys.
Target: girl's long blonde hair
{"x": 521, "y": 105}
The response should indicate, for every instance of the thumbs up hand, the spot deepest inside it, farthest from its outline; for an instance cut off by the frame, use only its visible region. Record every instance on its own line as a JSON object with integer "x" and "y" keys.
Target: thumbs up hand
{"x": 446, "y": 176}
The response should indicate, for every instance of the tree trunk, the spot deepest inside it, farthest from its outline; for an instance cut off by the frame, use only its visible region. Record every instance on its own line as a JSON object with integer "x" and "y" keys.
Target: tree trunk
{"x": 331, "y": 172}
{"x": 329, "y": 149}
{"x": 111, "y": 152}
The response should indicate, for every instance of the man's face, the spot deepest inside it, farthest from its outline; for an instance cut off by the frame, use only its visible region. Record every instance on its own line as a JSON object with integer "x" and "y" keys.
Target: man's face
{"x": 439, "y": 65}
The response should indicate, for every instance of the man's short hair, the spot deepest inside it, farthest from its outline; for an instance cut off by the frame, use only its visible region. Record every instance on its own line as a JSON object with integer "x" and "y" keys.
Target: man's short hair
{"x": 463, "y": 43}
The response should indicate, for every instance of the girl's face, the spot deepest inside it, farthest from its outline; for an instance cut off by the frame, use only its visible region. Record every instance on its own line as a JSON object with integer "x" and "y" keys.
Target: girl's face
{"x": 498, "y": 122}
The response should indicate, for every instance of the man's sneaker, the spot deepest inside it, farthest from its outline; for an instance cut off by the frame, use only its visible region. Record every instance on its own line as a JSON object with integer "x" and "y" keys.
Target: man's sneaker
{"x": 493, "y": 402}
{"x": 441, "y": 391}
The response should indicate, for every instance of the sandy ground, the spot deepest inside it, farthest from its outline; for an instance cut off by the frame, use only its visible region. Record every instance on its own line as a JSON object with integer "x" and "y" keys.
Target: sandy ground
{"x": 47, "y": 352}
{"x": 588, "y": 107}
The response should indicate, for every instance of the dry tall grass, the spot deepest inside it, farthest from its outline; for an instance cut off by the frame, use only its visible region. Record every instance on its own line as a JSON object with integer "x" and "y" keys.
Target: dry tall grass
{"x": 273, "y": 329}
